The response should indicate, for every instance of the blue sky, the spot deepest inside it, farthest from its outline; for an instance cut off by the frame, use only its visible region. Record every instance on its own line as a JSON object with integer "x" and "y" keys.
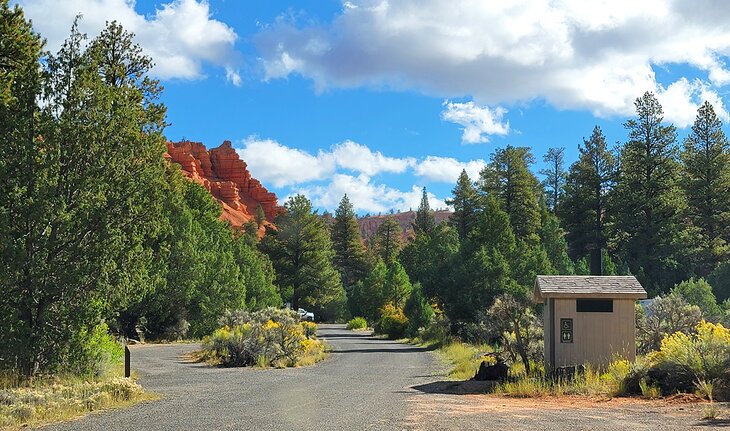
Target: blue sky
{"x": 379, "y": 98}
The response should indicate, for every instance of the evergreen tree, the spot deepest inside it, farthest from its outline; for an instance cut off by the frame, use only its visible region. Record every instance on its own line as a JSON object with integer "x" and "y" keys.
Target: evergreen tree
{"x": 554, "y": 176}
{"x": 555, "y": 245}
{"x": 425, "y": 222}
{"x": 369, "y": 296}
{"x": 301, "y": 252}
{"x": 350, "y": 257}
{"x": 508, "y": 178}
{"x": 706, "y": 184}
{"x": 647, "y": 198}
{"x": 388, "y": 240}
{"x": 465, "y": 201}
{"x": 81, "y": 188}
{"x": 418, "y": 310}
{"x": 260, "y": 215}
{"x": 482, "y": 268}
{"x": 584, "y": 208}
{"x": 397, "y": 285}
{"x": 426, "y": 259}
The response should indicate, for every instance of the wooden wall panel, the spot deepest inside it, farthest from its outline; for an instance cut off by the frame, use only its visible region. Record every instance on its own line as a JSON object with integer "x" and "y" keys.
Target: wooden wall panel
{"x": 597, "y": 337}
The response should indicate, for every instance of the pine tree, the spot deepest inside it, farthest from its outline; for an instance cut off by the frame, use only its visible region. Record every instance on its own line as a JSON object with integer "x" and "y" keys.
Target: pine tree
{"x": 397, "y": 285}
{"x": 584, "y": 209}
{"x": 418, "y": 310}
{"x": 508, "y": 178}
{"x": 554, "y": 176}
{"x": 369, "y": 296}
{"x": 706, "y": 184}
{"x": 647, "y": 199}
{"x": 424, "y": 222}
{"x": 350, "y": 255}
{"x": 465, "y": 201}
{"x": 260, "y": 215}
{"x": 482, "y": 269}
{"x": 388, "y": 240}
{"x": 301, "y": 252}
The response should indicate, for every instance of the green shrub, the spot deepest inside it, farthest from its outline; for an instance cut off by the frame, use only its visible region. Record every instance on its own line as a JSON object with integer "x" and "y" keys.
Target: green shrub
{"x": 269, "y": 337}
{"x": 309, "y": 328}
{"x": 393, "y": 322}
{"x": 357, "y": 323}
{"x": 418, "y": 310}
{"x": 699, "y": 292}
{"x": 649, "y": 391}
{"x": 683, "y": 360}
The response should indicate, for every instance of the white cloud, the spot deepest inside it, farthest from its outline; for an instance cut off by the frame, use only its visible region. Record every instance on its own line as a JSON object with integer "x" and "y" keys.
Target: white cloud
{"x": 597, "y": 56}
{"x": 359, "y": 158}
{"x": 447, "y": 169}
{"x": 478, "y": 121}
{"x": 280, "y": 165}
{"x": 180, "y": 36}
{"x": 277, "y": 164}
{"x": 233, "y": 76}
{"x": 682, "y": 98}
{"x": 367, "y": 196}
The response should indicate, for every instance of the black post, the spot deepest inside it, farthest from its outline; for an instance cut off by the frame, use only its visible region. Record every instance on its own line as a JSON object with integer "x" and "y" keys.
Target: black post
{"x": 596, "y": 262}
{"x": 126, "y": 361}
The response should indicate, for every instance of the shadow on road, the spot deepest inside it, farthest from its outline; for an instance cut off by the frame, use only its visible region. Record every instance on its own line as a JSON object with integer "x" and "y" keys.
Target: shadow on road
{"x": 356, "y": 336}
{"x": 450, "y": 387}
{"x": 382, "y": 350}
{"x": 717, "y": 423}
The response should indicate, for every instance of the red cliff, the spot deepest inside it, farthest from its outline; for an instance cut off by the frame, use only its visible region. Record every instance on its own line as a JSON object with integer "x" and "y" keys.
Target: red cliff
{"x": 227, "y": 178}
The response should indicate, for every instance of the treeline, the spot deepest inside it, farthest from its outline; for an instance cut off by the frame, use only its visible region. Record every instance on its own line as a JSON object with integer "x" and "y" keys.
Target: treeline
{"x": 99, "y": 233}
{"x": 97, "y": 230}
{"x": 652, "y": 207}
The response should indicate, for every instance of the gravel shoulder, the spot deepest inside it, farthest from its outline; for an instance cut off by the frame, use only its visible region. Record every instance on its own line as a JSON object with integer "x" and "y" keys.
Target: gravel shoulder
{"x": 366, "y": 383}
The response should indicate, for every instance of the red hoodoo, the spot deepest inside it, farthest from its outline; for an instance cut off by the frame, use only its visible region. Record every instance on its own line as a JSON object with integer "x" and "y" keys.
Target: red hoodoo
{"x": 227, "y": 178}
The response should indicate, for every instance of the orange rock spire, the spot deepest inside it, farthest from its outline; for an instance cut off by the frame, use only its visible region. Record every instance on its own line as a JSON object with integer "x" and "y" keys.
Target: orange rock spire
{"x": 227, "y": 178}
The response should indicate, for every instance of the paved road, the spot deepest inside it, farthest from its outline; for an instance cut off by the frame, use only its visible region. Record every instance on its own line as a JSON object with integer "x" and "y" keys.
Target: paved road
{"x": 364, "y": 384}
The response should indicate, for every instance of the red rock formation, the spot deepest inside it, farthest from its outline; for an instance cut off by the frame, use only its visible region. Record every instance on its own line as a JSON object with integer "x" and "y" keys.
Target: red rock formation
{"x": 369, "y": 225}
{"x": 227, "y": 178}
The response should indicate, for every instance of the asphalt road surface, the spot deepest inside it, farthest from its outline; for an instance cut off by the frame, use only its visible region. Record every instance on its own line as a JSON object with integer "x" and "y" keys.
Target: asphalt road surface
{"x": 366, "y": 384}
{"x": 363, "y": 384}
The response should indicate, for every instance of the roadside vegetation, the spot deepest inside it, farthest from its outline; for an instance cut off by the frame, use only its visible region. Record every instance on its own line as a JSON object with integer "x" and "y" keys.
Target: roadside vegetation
{"x": 265, "y": 338}
{"x": 44, "y": 400}
{"x": 357, "y": 323}
{"x": 103, "y": 239}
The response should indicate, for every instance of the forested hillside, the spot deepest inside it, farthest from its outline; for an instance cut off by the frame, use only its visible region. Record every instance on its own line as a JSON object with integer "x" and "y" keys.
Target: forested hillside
{"x": 102, "y": 237}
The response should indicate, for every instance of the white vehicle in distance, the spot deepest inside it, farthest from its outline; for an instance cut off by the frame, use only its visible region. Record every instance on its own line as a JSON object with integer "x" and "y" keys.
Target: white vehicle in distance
{"x": 305, "y": 315}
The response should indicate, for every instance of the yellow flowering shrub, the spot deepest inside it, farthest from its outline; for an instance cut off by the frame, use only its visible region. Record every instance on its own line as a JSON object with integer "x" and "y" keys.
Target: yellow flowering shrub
{"x": 268, "y": 337}
{"x": 706, "y": 354}
{"x": 309, "y": 328}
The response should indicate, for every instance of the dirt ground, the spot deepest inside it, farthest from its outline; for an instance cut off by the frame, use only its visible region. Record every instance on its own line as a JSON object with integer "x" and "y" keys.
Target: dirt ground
{"x": 434, "y": 410}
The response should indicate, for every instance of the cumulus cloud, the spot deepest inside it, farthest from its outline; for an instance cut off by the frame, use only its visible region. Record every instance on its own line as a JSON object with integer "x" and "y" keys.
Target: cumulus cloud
{"x": 597, "y": 56}
{"x": 277, "y": 164}
{"x": 180, "y": 36}
{"x": 478, "y": 121}
{"x": 366, "y": 195}
{"x": 447, "y": 169}
{"x": 357, "y": 157}
{"x": 282, "y": 166}
{"x": 349, "y": 167}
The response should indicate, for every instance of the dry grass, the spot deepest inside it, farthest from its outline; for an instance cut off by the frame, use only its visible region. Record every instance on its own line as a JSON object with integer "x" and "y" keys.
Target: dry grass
{"x": 44, "y": 400}
{"x": 465, "y": 358}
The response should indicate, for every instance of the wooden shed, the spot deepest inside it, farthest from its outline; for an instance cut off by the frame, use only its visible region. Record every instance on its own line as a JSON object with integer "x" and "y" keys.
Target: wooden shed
{"x": 588, "y": 319}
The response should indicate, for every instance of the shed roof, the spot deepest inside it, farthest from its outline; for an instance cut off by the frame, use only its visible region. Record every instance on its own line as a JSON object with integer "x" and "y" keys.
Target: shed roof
{"x": 587, "y": 286}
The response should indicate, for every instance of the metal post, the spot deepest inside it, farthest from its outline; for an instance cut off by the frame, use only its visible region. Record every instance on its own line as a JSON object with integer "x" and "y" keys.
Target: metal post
{"x": 126, "y": 361}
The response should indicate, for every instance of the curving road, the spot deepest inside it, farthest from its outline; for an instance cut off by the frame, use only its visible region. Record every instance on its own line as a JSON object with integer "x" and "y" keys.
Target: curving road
{"x": 364, "y": 384}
